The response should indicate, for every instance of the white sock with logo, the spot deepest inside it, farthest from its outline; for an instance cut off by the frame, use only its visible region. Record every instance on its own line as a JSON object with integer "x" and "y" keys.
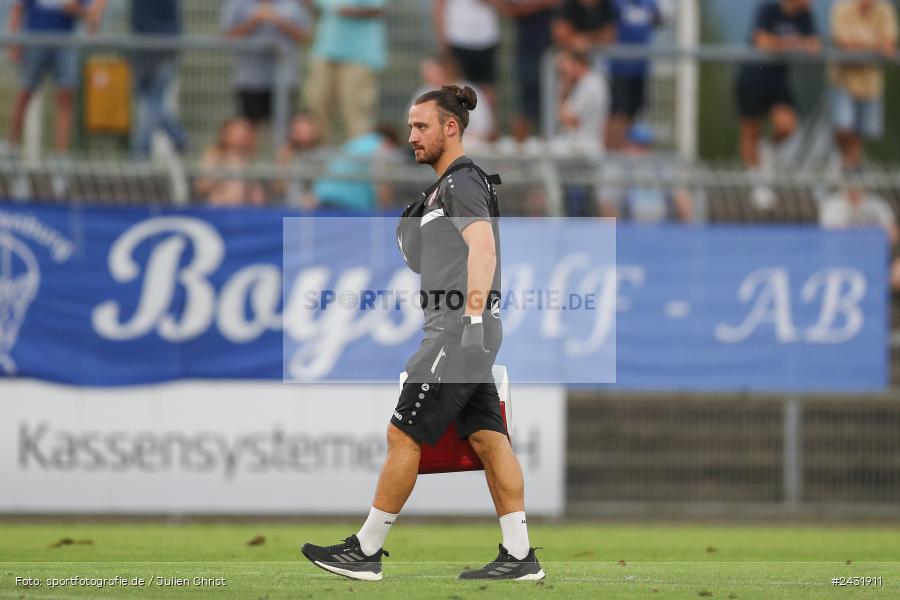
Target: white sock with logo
{"x": 515, "y": 534}
{"x": 375, "y": 530}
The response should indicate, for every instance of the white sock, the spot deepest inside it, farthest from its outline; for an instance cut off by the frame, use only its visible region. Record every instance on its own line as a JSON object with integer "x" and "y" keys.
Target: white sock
{"x": 515, "y": 534}
{"x": 374, "y": 531}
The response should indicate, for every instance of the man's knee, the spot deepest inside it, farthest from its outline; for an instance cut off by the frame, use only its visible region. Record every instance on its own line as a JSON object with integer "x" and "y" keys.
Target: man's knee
{"x": 485, "y": 442}
{"x": 399, "y": 440}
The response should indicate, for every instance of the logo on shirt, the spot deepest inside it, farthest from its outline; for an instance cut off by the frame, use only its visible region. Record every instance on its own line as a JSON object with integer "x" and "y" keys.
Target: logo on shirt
{"x": 495, "y": 307}
{"x": 431, "y": 199}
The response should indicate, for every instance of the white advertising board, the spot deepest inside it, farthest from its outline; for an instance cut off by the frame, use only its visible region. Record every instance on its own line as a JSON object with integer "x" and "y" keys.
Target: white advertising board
{"x": 240, "y": 447}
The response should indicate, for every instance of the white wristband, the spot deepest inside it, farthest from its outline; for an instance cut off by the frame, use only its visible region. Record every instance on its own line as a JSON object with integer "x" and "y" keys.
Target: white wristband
{"x": 475, "y": 320}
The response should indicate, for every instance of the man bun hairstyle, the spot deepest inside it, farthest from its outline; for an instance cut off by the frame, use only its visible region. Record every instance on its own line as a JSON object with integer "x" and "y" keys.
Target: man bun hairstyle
{"x": 452, "y": 101}
{"x": 465, "y": 95}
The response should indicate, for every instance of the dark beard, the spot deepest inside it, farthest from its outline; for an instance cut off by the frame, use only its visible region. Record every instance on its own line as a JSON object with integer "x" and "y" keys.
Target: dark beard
{"x": 430, "y": 158}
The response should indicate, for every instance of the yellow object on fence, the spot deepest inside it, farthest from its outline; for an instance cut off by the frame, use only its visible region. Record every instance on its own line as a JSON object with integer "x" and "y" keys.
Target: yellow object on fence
{"x": 107, "y": 94}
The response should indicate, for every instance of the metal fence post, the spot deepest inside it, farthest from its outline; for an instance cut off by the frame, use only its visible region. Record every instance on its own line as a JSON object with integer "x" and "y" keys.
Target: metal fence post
{"x": 33, "y": 131}
{"x": 548, "y": 95}
{"x": 793, "y": 451}
{"x": 688, "y": 82}
{"x": 281, "y": 112}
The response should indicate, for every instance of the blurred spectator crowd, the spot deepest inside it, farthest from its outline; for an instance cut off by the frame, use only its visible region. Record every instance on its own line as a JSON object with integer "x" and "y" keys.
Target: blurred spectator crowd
{"x": 764, "y": 91}
{"x": 598, "y": 101}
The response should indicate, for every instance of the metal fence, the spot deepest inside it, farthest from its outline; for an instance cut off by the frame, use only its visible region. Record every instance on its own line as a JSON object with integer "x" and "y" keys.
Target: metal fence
{"x": 533, "y": 186}
{"x": 206, "y": 97}
{"x": 206, "y": 110}
{"x": 669, "y": 455}
{"x": 681, "y": 71}
{"x": 205, "y": 93}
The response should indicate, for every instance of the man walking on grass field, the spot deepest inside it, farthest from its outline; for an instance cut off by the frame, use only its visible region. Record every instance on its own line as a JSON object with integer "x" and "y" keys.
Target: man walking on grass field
{"x": 451, "y": 236}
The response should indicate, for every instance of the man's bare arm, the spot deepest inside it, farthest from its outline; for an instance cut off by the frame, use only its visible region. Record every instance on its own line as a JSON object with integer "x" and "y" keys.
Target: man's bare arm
{"x": 362, "y": 13}
{"x": 296, "y": 32}
{"x": 479, "y": 237}
{"x": 523, "y": 8}
{"x": 766, "y": 41}
{"x": 246, "y": 28}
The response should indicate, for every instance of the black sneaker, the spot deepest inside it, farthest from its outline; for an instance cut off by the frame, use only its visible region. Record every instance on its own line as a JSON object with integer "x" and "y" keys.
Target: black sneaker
{"x": 506, "y": 566}
{"x": 346, "y": 559}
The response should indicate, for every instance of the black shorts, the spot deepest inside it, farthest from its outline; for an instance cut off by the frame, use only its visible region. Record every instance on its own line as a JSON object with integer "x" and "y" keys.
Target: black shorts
{"x": 445, "y": 384}
{"x": 628, "y": 95}
{"x": 478, "y": 66}
{"x": 256, "y": 105}
{"x": 757, "y": 95}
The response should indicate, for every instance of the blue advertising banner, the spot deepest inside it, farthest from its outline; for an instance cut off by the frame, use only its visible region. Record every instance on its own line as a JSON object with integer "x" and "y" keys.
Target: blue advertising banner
{"x": 120, "y": 296}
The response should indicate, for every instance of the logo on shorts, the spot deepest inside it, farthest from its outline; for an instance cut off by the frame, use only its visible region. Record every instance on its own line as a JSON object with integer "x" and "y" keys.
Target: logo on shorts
{"x": 398, "y": 416}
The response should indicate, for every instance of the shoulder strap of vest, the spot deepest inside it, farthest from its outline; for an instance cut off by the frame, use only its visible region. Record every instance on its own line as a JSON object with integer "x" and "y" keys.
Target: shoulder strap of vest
{"x": 493, "y": 179}
{"x": 447, "y": 173}
{"x": 490, "y": 179}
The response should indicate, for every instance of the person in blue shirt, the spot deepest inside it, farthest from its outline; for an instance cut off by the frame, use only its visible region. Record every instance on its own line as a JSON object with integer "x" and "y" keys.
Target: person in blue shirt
{"x": 635, "y": 22}
{"x": 49, "y": 17}
{"x": 153, "y": 72}
{"x": 350, "y": 49}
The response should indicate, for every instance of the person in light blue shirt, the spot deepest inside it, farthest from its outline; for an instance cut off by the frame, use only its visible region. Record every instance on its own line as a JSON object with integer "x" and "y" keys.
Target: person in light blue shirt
{"x": 350, "y": 49}
{"x": 360, "y": 157}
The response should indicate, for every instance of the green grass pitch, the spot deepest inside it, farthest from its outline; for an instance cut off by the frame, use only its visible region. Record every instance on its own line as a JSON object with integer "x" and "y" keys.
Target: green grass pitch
{"x": 582, "y": 560}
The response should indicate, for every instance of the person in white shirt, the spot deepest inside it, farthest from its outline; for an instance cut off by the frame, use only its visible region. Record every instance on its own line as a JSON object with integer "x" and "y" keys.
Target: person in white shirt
{"x": 470, "y": 31}
{"x": 852, "y": 208}
{"x": 584, "y": 106}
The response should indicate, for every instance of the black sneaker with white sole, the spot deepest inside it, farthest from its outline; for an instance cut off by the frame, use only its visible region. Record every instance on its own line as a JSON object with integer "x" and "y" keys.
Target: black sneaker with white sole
{"x": 506, "y": 566}
{"x": 346, "y": 559}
